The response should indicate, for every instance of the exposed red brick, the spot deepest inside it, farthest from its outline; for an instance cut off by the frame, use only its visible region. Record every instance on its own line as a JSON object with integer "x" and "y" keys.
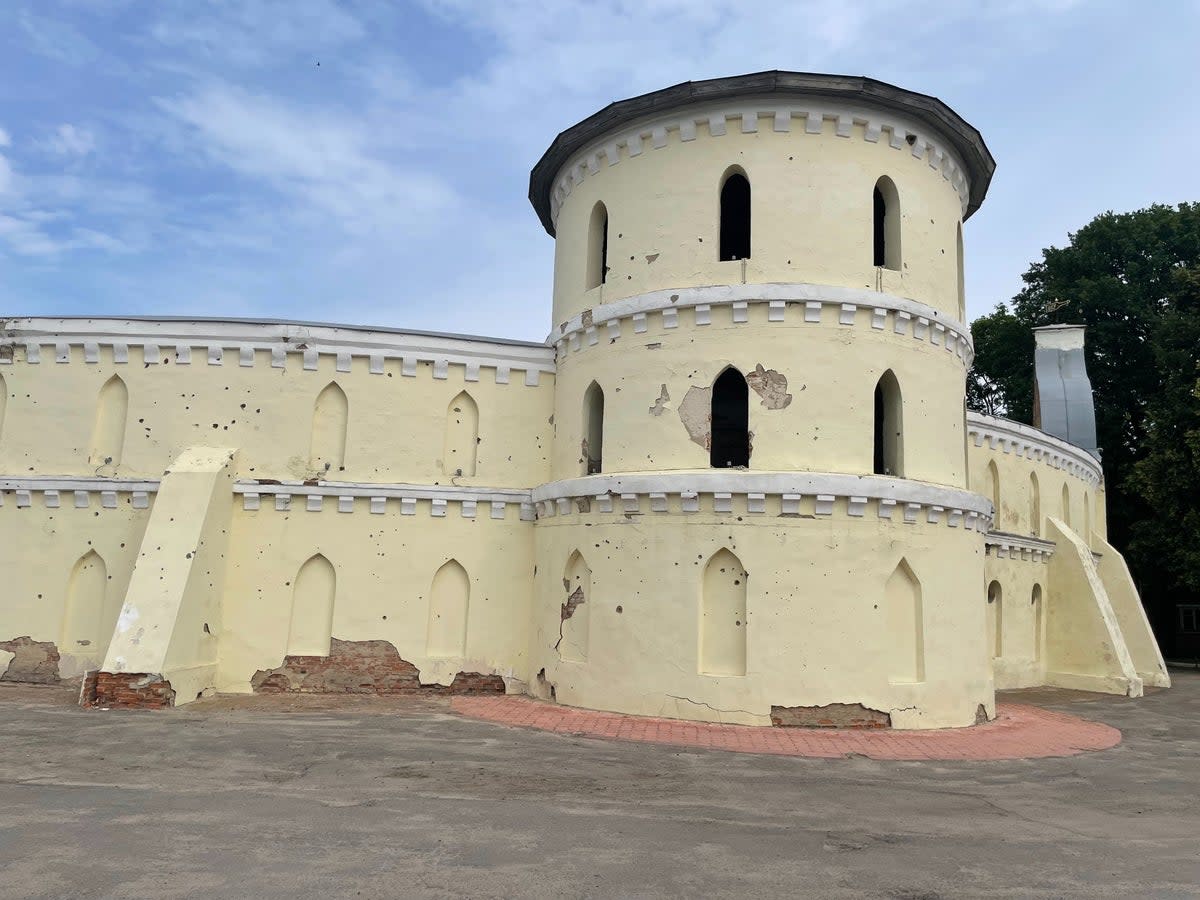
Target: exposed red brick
{"x": 35, "y": 662}
{"x": 832, "y": 715}
{"x": 126, "y": 690}
{"x": 363, "y": 667}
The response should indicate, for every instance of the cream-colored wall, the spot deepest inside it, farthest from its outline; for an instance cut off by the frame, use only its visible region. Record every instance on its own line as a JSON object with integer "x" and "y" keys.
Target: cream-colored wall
{"x": 1022, "y": 659}
{"x": 830, "y": 369}
{"x": 812, "y": 213}
{"x": 816, "y": 630}
{"x": 395, "y": 428}
{"x": 39, "y": 548}
{"x": 384, "y": 565}
{"x": 1014, "y": 514}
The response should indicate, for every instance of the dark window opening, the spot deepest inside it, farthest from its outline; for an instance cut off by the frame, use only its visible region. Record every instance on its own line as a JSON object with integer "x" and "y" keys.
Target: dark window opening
{"x": 735, "y": 218}
{"x": 597, "y": 261}
{"x": 885, "y": 232}
{"x": 593, "y": 435}
{"x": 730, "y": 441}
{"x": 880, "y": 229}
{"x": 888, "y": 436}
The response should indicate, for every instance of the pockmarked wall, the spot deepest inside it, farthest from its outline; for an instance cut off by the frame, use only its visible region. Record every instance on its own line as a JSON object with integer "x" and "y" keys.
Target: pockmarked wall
{"x": 736, "y": 483}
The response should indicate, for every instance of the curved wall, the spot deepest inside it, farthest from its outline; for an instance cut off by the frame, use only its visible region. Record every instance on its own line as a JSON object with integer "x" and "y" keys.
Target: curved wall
{"x": 812, "y": 182}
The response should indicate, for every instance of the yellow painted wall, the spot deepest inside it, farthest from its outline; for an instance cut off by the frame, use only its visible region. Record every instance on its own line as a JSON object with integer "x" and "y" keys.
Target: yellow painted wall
{"x": 817, "y": 622}
{"x": 811, "y": 201}
{"x": 395, "y": 427}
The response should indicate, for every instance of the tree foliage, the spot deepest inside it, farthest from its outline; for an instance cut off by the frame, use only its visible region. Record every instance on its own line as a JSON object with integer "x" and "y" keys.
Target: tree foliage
{"x": 1132, "y": 279}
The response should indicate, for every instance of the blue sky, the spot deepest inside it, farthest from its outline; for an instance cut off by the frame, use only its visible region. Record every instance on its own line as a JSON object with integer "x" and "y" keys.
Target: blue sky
{"x": 366, "y": 161}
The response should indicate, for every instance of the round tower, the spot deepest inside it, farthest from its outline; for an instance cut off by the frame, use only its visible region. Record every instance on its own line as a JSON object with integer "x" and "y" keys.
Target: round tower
{"x": 759, "y": 509}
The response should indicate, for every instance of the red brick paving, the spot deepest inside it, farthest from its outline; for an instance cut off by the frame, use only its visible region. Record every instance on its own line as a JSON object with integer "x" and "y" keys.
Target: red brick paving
{"x": 1018, "y": 732}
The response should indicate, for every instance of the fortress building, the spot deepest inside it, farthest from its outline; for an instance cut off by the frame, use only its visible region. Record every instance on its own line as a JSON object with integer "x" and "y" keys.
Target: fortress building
{"x": 737, "y": 483}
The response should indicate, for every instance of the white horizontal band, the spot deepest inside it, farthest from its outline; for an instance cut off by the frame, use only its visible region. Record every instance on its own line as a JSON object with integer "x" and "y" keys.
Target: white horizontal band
{"x": 1018, "y": 546}
{"x": 235, "y": 342}
{"x": 908, "y": 500}
{"x": 873, "y": 310}
{"x": 1031, "y": 443}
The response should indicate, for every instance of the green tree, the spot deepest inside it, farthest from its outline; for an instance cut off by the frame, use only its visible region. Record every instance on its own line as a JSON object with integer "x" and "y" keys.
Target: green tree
{"x": 1126, "y": 277}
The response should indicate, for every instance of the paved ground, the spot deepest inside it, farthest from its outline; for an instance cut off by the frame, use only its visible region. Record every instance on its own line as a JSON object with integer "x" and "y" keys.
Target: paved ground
{"x": 1019, "y": 731}
{"x": 251, "y": 798}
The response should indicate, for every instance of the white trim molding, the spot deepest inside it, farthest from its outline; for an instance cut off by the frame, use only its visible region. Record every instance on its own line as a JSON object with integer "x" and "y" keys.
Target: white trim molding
{"x": 1003, "y": 545}
{"x": 219, "y": 342}
{"x": 808, "y": 116}
{"x": 470, "y": 501}
{"x": 791, "y": 494}
{"x": 77, "y": 492}
{"x": 809, "y": 303}
{"x": 1031, "y": 443}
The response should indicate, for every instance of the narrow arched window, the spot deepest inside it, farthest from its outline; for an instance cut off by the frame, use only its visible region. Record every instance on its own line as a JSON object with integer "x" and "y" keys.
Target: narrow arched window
{"x": 1036, "y": 600}
{"x": 331, "y": 416}
{"x": 889, "y": 427}
{"x": 993, "y": 486}
{"x": 962, "y": 284}
{"x": 886, "y": 205}
{"x": 597, "y": 253}
{"x": 735, "y": 216}
{"x": 730, "y": 441}
{"x": 593, "y": 430}
{"x": 1035, "y": 506}
{"x": 1066, "y": 506}
{"x": 995, "y": 618}
{"x": 108, "y": 432}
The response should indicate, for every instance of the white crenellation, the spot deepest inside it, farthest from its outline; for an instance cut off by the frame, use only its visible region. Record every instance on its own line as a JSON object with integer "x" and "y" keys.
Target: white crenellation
{"x": 279, "y": 341}
{"x": 1018, "y": 546}
{"x": 928, "y": 325}
{"x": 791, "y": 494}
{"x": 1028, "y": 442}
{"x": 927, "y": 147}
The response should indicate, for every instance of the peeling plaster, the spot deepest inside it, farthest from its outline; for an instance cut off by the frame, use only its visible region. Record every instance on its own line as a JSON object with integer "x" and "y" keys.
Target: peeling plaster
{"x": 33, "y": 662}
{"x": 831, "y": 715}
{"x": 771, "y": 386}
{"x": 696, "y": 414}
{"x": 661, "y": 403}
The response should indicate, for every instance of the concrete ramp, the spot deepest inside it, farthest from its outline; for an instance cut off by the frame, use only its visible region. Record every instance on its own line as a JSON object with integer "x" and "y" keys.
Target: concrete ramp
{"x": 1085, "y": 645}
{"x": 1131, "y": 616}
{"x": 164, "y": 648}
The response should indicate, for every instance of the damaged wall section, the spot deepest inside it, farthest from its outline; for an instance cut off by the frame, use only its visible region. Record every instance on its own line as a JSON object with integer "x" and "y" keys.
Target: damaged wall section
{"x": 363, "y": 667}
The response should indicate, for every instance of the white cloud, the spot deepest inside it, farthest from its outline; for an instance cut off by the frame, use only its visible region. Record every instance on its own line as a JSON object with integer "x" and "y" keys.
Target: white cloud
{"x": 68, "y": 140}
{"x": 329, "y": 164}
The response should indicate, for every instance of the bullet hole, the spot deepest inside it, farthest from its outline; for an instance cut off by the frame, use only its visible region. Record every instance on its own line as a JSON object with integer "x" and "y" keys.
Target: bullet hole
{"x": 911, "y": 139}
{"x": 620, "y": 609}
{"x": 206, "y": 629}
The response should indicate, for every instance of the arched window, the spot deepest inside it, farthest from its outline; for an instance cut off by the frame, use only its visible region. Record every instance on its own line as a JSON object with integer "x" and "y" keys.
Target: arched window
{"x": 1066, "y": 506}
{"x": 108, "y": 433}
{"x": 331, "y": 415}
{"x": 962, "y": 285}
{"x": 91, "y": 610}
{"x": 905, "y": 620}
{"x": 735, "y": 215}
{"x": 889, "y": 427}
{"x": 886, "y": 204}
{"x": 462, "y": 436}
{"x": 449, "y": 602}
{"x": 593, "y": 430}
{"x": 3, "y": 404}
{"x": 311, "y": 627}
{"x": 1036, "y": 600}
{"x": 730, "y": 441}
{"x": 723, "y": 616}
{"x": 1087, "y": 518}
{"x": 993, "y": 486}
{"x": 597, "y": 253}
{"x": 1035, "y": 506}
{"x": 575, "y": 613}
{"x": 995, "y": 617}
